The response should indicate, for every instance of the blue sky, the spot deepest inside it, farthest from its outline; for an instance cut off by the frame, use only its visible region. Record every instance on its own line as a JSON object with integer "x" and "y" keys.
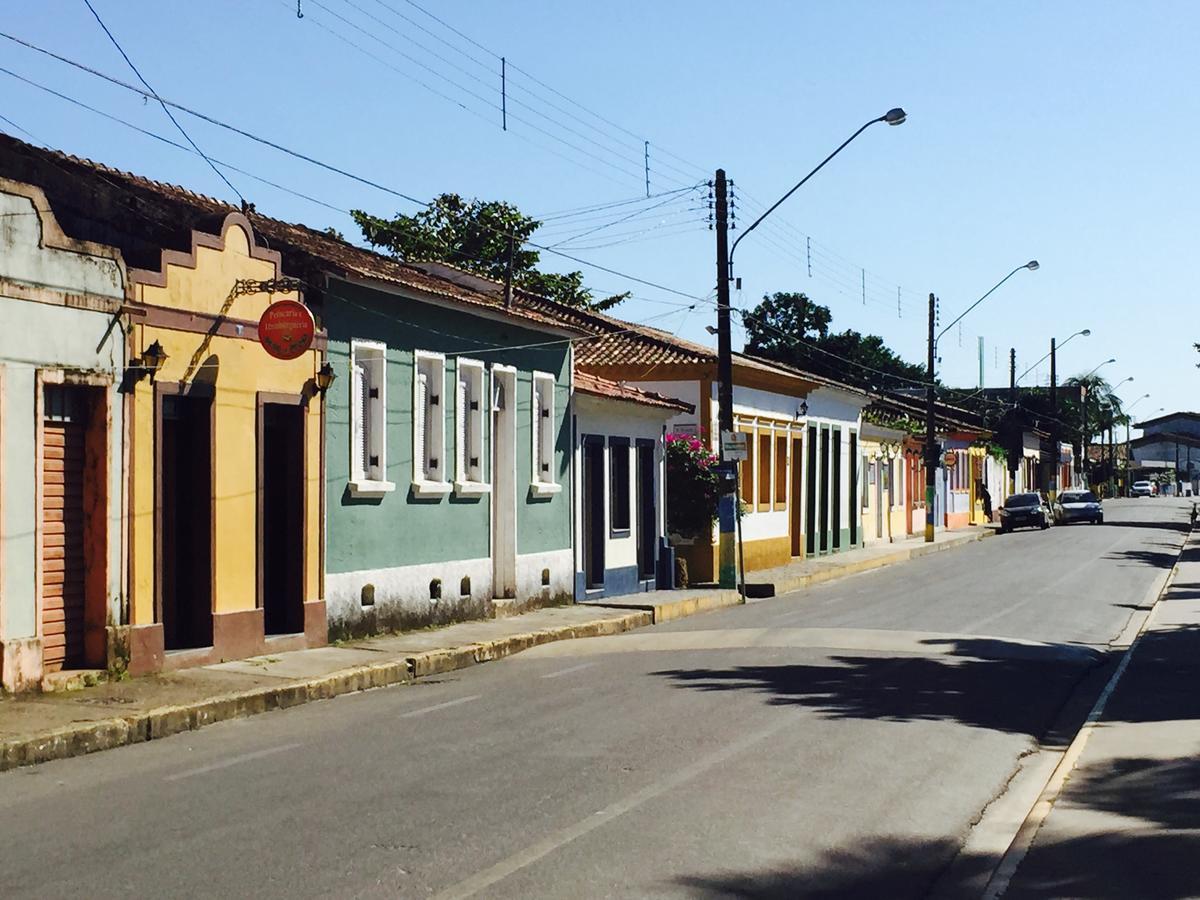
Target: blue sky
{"x": 1066, "y": 132}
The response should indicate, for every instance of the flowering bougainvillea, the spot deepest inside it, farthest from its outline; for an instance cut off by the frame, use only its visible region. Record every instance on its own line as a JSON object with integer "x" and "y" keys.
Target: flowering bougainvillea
{"x": 692, "y": 485}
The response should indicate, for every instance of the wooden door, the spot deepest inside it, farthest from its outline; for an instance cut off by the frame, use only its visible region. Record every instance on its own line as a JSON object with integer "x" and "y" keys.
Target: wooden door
{"x": 795, "y": 507}
{"x": 64, "y": 590}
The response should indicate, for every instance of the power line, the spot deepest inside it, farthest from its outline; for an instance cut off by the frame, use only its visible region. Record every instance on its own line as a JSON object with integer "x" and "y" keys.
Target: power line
{"x": 154, "y": 94}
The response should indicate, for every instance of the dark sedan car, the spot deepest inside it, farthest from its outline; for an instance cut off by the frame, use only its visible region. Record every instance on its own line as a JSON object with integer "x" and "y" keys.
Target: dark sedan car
{"x": 1024, "y": 511}
{"x": 1080, "y": 506}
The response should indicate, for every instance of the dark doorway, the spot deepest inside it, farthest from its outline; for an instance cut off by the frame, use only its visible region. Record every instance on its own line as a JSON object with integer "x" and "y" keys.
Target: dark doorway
{"x": 852, "y": 493}
{"x": 810, "y": 505}
{"x": 281, "y": 517}
{"x": 185, "y": 520}
{"x": 594, "y": 532}
{"x": 795, "y": 518}
{"x": 825, "y": 493}
{"x": 647, "y": 524}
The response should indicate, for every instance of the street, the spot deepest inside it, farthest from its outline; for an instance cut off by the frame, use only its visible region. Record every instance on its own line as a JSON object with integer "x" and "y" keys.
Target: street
{"x": 836, "y": 742}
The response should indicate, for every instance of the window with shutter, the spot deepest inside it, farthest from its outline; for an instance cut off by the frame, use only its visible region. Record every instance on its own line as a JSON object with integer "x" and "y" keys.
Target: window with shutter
{"x": 543, "y": 431}
{"x": 468, "y": 421}
{"x": 429, "y": 422}
{"x": 368, "y": 419}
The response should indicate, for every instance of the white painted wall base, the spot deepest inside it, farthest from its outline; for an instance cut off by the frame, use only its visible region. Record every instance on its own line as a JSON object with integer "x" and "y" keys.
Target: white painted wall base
{"x": 402, "y": 592}
{"x": 561, "y": 564}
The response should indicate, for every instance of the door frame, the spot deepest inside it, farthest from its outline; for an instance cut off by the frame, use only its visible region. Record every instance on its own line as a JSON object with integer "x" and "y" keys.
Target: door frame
{"x": 199, "y": 391}
{"x": 796, "y": 494}
{"x": 598, "y": 494}
{"x": 261, "y": 400}
{"x": 504, "y": 483}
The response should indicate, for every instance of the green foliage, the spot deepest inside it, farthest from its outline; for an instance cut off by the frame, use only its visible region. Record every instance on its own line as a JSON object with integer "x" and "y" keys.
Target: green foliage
{"x": 692, "y": 486}
{"x": 791, "y": 329}
{"x": 474, "y": 235}
{"x": 899, "y": 421}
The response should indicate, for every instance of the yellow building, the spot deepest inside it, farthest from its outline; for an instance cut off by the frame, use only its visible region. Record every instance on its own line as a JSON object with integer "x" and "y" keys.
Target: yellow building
{"x": 884, "y": 503}
{"x": 225, "y": 462}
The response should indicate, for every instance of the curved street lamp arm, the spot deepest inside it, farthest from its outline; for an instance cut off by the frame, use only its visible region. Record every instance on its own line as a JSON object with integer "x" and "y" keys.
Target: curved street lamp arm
{"x": 1047, "y": 356}
{"x": 963, "y": 315}
{"x": 799, "y": 185}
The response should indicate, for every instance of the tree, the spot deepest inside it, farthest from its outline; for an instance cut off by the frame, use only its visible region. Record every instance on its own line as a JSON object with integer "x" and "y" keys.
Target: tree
{"x": 474, "y": 235}
{"x": 792, "y": 329}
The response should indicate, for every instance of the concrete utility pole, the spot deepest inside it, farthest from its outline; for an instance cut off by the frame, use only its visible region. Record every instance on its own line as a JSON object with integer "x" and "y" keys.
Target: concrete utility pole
{"x": 1054, "y": 424}
{"x": 727, "y": 504}
{"x": 931, "y": 453}
{"x": 1015, "y": 452}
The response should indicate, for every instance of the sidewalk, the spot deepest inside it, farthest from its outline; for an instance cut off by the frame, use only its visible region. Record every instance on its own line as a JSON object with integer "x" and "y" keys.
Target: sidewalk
{"x": 40, "y": 727}
{"x": 1127, "y": 821}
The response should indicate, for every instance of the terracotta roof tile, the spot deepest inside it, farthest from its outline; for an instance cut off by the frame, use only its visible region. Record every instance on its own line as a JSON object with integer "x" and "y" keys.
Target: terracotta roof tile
{"x": 587, "y": 383}
{"x": 163, "y": 210}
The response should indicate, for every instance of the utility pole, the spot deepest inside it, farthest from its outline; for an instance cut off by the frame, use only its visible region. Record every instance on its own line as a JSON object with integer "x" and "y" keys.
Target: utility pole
{"x": 1054, "y": 424}
{"x": 931, "y": 454}
{"x": 727, "y": 504}
{"x": 1083, "y": 437}
{"x": 1016, "y": 449}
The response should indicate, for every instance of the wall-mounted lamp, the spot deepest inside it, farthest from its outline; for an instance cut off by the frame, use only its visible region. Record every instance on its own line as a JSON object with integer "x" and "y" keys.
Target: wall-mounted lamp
{"x": 324, "y": 378}
{"x": 321, "y": 381}
{"x": 802, "y": 409}
{"x": 148, "y": 363}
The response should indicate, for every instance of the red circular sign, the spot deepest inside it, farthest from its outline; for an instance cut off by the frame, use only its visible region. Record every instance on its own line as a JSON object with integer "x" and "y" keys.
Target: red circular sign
{"x": 286, "y": 329}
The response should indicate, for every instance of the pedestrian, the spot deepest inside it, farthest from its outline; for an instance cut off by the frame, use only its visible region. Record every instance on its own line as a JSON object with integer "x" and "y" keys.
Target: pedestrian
{"x": 987, "y": 501}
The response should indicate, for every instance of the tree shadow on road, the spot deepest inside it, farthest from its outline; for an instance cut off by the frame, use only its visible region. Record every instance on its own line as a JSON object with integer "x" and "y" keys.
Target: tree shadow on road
{"x": 1162, "y": 559}
{"x": 985, "y": 683}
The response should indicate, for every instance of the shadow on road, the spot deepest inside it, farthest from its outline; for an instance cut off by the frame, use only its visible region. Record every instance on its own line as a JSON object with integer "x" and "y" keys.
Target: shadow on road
{"x": 983, "y": 683}
{"x": 1168, "y": 525}
{"x": 1141, "y": 834}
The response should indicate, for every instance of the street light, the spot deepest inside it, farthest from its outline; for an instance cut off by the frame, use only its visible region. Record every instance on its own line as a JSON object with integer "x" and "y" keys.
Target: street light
{"x": 931, "y": 394}
{"x": 1085, "y": 333}
{"x": 1128, "y": 447}
{"x": 728, "y": 570}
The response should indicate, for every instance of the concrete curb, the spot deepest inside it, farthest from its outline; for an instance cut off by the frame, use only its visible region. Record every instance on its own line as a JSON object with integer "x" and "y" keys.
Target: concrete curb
{"x": 107, "y": 734}
{"x": 796, "y": 582}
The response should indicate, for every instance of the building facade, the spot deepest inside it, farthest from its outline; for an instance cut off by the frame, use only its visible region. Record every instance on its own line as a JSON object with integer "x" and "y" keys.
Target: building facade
{"x": 225, "y": 461}
{"x": 62, "y": 352}
{"x": 448, "y": 453}
{"x": 620, "y": 488}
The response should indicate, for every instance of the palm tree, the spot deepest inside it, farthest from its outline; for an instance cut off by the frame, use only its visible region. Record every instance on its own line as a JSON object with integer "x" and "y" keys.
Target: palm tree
{"x": 1088, "y": 398}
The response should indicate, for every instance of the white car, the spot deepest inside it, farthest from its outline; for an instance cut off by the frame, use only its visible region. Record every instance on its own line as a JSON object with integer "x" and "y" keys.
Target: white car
{"x": 1141, "y": 489}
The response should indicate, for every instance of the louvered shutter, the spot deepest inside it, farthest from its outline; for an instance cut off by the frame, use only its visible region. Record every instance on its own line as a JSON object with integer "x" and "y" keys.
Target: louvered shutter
{"x": 358, "y": 423}
{"x": 420, "y": 425}
{"x": 463, "y": 422}
{"x": 537, "y": 430}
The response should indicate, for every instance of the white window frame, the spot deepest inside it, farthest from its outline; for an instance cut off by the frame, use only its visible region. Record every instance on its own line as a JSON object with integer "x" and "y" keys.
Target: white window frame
{"x": 429, "y": 425}
{"x": 368, "y": 361}
{"x": 542, "y": 428}
{"x": 470, "y": 403}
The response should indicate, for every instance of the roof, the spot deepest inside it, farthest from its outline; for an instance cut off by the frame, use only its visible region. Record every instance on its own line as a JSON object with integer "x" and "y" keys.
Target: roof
{"x": 594, "y": 385}
{"x": 141, "y": 217}
{"x": 1167, "y": 418}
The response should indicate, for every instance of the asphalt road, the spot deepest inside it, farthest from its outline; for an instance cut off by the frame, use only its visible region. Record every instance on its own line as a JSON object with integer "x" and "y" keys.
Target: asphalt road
{"x": 835, "y": 742}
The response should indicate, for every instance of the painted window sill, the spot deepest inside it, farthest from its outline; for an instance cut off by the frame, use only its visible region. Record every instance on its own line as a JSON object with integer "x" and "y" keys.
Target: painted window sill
{"x": 471, "y": 488}
{"x": 422, "y": 488}
{"x": 370, "y": 489}
{"x": 544, "y": 488}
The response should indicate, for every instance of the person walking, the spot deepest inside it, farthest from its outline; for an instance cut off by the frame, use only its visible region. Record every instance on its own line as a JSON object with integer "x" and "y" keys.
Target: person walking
{"x": 987, "y": 501}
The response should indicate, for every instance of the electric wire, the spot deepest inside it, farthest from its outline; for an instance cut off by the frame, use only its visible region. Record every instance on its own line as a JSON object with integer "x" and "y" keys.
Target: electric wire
{"x": 154, "y": 94}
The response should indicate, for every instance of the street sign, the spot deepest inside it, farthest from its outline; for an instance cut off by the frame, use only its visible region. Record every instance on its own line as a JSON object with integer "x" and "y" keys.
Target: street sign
{"x": 733, "y": 445}
{"x": 949, "y": 459}
{"x": 286, "y": 329}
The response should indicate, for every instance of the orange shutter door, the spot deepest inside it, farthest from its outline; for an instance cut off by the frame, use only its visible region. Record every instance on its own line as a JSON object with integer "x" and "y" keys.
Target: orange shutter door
{"x": 62, "y": 545}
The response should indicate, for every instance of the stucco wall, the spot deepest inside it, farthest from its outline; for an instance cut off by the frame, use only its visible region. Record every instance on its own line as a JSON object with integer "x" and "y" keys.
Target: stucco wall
{"x": 238, "y": 368}
{"x": 374, "y": 540}
{"x": 38, "y": 275}
{"x": 621, "y": 419}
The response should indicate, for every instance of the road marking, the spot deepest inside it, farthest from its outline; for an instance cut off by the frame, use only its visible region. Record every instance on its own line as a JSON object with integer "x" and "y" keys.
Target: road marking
{"x": 231, "y": 761}
{"x": 556, "y": 839}
{"x": 437, "y": 706}
{"x": 1023, "y": 840}
{"x": 569, "y": 670}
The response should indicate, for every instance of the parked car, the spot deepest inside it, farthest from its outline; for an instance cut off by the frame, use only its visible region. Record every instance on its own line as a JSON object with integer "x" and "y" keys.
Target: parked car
{"x": 1079, "y": 506}
{"x": 1142, "y": 489}
{"x": 1027, "y": 510}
